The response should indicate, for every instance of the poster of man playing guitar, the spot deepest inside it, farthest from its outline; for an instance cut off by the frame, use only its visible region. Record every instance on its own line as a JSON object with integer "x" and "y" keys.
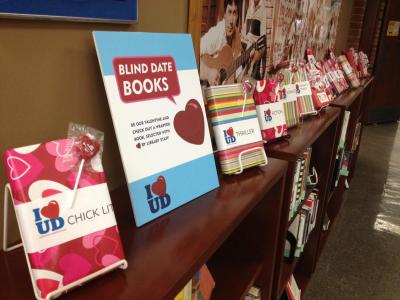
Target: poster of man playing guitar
{"x": 234, "y": 42}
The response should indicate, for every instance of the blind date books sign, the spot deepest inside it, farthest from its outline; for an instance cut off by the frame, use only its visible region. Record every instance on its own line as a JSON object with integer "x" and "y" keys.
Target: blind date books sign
{"x": 156, "y": 103}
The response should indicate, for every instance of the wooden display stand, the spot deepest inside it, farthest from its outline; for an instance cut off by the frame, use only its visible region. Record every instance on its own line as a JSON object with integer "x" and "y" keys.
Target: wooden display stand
{"x": 233, "y": 229}
{"x": 61, "y": 290}
{"x": 320, "y": 133}
{"x": 355, "y": 101}
{"x": 238, "y": 230}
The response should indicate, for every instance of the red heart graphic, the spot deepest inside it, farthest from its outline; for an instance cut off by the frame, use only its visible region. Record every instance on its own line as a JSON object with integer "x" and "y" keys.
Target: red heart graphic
{"x": 49, "y": 192}
{"x": 230, "y": 131}
{"x": 74, "y": 267}
{"x": 159, "y": 187}
{"x": 50, "y": 211}
{"x": 268, "y": 112}
{"x": 189, "y": 123}
{"x": 87, "y": 147}
{"x": 46, "y": 286}
{"x": 138, "y": 145}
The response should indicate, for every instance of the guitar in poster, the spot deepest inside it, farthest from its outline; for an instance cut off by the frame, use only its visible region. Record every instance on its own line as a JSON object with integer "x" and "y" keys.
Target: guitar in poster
{"x": 233, "y": 42}
{"x": 157, "y": 107}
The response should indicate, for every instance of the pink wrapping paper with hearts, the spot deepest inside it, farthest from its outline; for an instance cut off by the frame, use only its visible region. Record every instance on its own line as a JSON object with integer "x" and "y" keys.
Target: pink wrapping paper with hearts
{"x": 270, "y": 111}
{"x": 41, "y": 181}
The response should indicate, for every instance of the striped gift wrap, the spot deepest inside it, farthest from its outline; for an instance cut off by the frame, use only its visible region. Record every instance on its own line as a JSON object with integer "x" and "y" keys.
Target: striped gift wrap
{"x": 304, "y": 101}
{"x": 226, "y": 106}
{"x": 287, "y": 93}
{"x": 306, "y": 105}
{"x": 348, "y": 71}
{"x": 292, "y": 113}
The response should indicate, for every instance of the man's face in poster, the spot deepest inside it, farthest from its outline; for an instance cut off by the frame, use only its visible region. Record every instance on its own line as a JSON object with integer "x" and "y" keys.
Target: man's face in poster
{"x": 231, "y": 17}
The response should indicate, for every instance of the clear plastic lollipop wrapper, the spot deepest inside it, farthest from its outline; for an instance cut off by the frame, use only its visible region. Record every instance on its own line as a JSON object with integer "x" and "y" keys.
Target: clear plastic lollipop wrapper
{"x": 86, "y": 145}
{"x": 248, "y": 86}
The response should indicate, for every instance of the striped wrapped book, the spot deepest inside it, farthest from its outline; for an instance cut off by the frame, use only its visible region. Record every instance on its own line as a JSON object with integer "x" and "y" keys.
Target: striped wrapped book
{"x": 304, "y": 93}
{"x": 236, "y": 129}
{"x": 288, "y": 95}
{"x": 348, "y": 71}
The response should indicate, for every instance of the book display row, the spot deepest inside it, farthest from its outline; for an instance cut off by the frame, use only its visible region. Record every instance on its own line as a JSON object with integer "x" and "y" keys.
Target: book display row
{"x": 342, "y": 155}
{"x": 300, "y": 182}
{"x": 59, "y": 190}
{"x": 301, "y": 227}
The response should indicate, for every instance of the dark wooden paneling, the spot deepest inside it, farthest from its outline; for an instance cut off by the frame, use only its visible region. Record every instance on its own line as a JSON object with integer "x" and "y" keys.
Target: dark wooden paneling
{"x": 385, "y": 99}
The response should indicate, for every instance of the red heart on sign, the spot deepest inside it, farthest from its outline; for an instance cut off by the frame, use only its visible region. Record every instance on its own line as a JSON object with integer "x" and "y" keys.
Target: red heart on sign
{"x": 138, "y": 145}
{"x": 230, "y": 131}
{"x": 159, "y": 187}
{"x": 87, "y": 147}
{"x": 51, "y": 211}
{"x": 189, "y": 123}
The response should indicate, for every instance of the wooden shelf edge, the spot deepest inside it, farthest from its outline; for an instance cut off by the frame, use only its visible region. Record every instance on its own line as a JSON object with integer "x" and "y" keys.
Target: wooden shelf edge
{"x": 167, "y": 251}
{"x": 234, "y": 278}
{"x": 285, "y": 274}
{"x": 302, "y": 281}
{"x": 289, "y": 270}
{"x": 303, "y": 136}
{"x": 365, "y": 82}
{"x": 347, "y": 98}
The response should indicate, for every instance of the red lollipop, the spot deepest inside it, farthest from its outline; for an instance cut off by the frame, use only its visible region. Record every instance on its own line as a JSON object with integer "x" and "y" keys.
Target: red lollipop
{"x": 279, "y": 77}
{"x": 86, "y": 147}
{"x": 248, "y": 85}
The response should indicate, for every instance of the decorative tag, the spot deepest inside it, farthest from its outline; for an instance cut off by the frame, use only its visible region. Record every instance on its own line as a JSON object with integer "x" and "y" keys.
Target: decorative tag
{"x": 288, "y": 93}
{"x": 49, "y": 221}
{"x": 322, "y": 97}
{"x": 237, "y": 133}
{"x": 303, "y": 89}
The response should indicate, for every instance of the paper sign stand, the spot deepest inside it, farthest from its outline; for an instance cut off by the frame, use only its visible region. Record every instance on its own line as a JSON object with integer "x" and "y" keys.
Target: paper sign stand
{"x": 122, "y": 264}
{"x": 311, "y": 113}
{"x": 247, "y": 151}
{"x": 7, "y": 192}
